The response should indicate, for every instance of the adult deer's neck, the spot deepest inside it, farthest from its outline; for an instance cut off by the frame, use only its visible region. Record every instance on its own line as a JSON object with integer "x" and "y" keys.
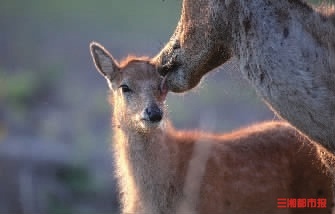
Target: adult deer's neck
{"x": 286, "y": 49}
{"x": 270, "y": 22}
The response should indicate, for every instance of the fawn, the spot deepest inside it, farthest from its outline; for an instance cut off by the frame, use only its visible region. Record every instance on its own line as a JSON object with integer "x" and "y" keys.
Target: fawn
{"x": 163, "y": 170}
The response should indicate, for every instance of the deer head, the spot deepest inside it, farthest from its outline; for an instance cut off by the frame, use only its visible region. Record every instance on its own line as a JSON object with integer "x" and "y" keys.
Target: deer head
{"x": 137, "y": 90}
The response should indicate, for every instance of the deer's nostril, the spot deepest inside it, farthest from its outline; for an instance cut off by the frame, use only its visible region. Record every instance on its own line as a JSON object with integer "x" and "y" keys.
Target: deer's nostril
{"x": 154, "y": 113}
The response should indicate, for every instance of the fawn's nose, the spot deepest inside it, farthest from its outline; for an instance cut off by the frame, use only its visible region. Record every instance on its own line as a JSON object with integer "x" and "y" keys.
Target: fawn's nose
{"x": 154, "y": 113}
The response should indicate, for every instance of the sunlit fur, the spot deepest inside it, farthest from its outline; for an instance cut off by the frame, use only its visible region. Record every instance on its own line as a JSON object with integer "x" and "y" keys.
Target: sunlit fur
{"x": 163, "y": 170}
{"x": 285, "y": 48}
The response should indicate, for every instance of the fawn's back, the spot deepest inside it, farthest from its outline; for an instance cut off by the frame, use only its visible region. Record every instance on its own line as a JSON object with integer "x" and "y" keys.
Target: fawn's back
{"x": 246, "y": 171}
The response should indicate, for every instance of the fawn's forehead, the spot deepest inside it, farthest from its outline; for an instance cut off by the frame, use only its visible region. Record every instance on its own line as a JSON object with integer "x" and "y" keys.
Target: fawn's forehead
{"x": 140, "y": 71}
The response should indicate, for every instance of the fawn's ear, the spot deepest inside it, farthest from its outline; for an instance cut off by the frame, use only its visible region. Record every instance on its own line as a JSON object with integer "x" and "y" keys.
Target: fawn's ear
{"x": 104, "y": 61}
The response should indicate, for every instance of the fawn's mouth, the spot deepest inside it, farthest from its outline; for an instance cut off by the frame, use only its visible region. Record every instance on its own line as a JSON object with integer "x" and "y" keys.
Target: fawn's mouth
{"x": 147, "y": 121}
{"x": 148, "y": 124}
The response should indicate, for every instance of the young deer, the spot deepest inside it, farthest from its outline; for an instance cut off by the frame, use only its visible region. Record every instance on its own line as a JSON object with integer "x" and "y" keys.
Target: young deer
{"x": 163, "y": 170}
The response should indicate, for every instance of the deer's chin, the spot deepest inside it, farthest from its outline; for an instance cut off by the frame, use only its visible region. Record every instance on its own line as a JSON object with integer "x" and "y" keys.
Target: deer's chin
{"x": 149, "y": 125}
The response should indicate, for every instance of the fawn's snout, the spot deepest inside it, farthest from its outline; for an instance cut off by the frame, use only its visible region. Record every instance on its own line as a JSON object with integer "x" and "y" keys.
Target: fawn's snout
{"x": 153, "y": 113}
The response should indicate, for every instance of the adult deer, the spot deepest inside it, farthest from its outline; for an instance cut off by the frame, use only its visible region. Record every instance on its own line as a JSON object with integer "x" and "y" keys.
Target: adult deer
{"x": 285, "y": 48}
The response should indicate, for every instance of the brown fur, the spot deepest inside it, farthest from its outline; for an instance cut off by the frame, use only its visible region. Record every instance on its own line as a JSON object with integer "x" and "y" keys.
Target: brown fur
{"x": 131, "y": 58}
{"x": 163, "y": 170}
{"x": 286, "y": 48}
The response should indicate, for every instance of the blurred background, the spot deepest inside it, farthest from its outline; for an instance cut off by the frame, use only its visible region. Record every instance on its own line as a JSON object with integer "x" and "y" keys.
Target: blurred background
{"x": 54, "y": 117}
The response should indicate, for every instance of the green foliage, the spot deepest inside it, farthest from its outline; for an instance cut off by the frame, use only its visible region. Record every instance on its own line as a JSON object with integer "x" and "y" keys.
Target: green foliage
{"x": 22, "y": 94}
{"x": 17, "y": 90}
{"x": 76, "y": 179}
{"x": 78, "y": 184}
{"x": 20, "y": 89}
{"x": 57, "y": 206}
{"x": 136, "y": 16}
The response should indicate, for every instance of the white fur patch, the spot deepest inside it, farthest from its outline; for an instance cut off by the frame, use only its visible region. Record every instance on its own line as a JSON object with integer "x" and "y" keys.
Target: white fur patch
{"x": 194, "y": 176}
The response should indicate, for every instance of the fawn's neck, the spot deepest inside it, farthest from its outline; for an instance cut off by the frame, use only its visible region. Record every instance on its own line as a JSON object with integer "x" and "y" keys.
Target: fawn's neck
{"x": 145, "y": 166}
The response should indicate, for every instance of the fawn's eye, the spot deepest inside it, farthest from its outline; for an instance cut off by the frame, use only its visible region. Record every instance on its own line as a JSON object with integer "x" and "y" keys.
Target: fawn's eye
{"x": 125, "y": 88}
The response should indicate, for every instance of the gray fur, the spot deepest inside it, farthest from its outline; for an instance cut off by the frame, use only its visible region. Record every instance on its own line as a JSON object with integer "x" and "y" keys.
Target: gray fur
{"x": 285, "y": 48}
